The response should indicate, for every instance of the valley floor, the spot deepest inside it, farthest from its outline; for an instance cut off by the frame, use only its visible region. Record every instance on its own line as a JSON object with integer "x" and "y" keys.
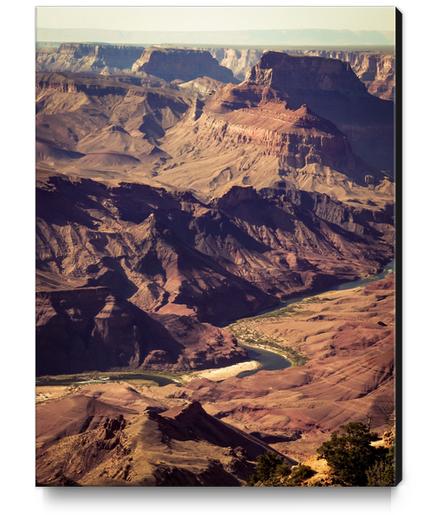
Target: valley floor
{"x": 346, "y": 339}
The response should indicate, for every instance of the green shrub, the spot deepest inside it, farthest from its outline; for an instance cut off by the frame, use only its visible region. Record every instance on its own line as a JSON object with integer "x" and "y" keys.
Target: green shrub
{"x": 382, "y": 473}
{"x": 270, "y": 467}
{"x": 299, "y": 474}
{"x": 350, "y": 454}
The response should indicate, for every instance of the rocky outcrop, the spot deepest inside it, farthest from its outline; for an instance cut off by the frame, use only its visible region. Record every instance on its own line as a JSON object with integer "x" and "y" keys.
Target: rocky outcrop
{"x": 296, "y": 137}
{"x": 118, "y": 436}
{"x": 181, "y": 64}
{"x": 331, "y": 89}
{"x": 185, "y": 257}
{"x": 347, "y": 337}
{"x": 81, "y": 57}
{"x": 91, "y": 329}
{"x": 308, "y": 121}
{"x": 375, "y": 69}
{"x": 292, "y": 74}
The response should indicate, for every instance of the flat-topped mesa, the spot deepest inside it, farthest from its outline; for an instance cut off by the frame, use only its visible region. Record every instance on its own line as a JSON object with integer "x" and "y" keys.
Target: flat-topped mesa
{"x": 78, "y": 57}
{"x": 376, "y": 69}
{"x": 285, "y": 73}
{"x": 182, "y": 64}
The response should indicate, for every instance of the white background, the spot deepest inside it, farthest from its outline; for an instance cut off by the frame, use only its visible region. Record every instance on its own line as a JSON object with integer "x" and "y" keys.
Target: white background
{"x": 17, "y": 299}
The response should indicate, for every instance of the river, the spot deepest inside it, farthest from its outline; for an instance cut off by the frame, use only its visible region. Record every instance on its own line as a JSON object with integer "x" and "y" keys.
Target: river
{"x": 268, "y": 360}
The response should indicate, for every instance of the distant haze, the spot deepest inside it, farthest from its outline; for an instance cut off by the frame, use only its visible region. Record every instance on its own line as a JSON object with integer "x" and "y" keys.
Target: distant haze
{"x": 246, "y": 26}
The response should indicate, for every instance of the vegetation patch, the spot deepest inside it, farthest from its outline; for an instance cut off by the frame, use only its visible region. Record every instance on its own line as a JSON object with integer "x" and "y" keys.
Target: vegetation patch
{"x": 272, "y": 470}
{"x": 248, "y": 336}
{"x": 354, "y": 461}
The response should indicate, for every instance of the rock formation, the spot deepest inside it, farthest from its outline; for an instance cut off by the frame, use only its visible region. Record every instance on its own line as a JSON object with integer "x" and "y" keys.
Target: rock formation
{"x": 171, "y": 254}
{"x": 348, "y": 340}
{"x": 181, "y": 64}
{"x": 376, "y": 69}
{"x": 331, "y": 89}
{"x": 80, "y": 57}
{"x": 277, "y": 125}
{"x": 116, "y": 435}
{"x": 91, "y": 329}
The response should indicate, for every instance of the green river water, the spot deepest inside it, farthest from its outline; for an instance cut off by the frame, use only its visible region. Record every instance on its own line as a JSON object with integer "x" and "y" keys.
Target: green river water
{"x": 268, "y": 360}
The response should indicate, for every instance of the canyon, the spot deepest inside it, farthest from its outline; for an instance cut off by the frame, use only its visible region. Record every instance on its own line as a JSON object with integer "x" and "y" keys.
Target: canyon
{"x": 172, "y": 254}
{"x": 194, "y": 205}
{"x": 206, "y": 432}
{"x": 376, "y": 68}
{"x": 304, "y": 121}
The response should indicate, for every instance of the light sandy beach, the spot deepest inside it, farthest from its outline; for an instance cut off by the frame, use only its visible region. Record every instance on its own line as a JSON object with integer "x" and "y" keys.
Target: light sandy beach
{"x": 219, "y": 374}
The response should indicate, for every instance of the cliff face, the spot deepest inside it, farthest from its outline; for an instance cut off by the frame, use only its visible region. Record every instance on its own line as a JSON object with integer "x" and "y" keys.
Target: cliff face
{"x": 79, "y": 57}
{"x": 239, "y": 60}
{"x": 375, "y": 69}
{"x": 331, "y": 89}
{"x": 90, "y": 328}
{"x": 290, "y": 74}
{"x": 308, "y": 121}
{"x": 296, "y": 137}
{"x": 116, "y": 435}
{"x": 181, "y": 64}
{"x": 185, "y": 257}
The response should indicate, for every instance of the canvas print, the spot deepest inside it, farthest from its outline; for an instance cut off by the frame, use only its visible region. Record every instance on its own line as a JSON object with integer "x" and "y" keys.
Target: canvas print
{"x": 216, "y": 242}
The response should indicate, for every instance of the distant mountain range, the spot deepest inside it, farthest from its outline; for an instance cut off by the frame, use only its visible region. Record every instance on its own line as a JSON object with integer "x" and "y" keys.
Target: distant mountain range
{"x": 305, "y": 37}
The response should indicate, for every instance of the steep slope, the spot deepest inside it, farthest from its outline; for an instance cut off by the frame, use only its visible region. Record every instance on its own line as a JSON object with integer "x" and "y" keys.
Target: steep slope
{"x": 116, "y": 435}
{"x": 348, "y": 339}
{"x": 112, "y": 125}
{"x": 331, "y": 89}
{"x": 262, "y": 132}
{"x": 91, "y": 329}
{"x": 171, "y": 253}
{"x": 376, "y": 69}
{"x": 80, "y": 57}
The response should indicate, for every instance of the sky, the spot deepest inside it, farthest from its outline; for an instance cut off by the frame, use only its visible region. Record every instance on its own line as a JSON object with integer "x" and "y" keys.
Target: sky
{"x": 207, "y": 19}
